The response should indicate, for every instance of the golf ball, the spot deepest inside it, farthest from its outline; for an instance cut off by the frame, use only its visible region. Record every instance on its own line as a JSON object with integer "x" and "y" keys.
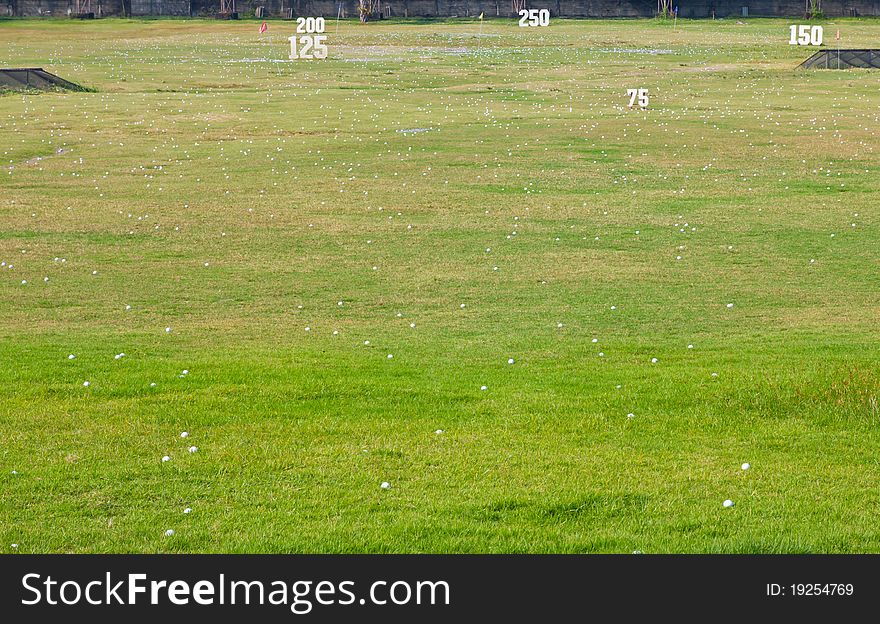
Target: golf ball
{"x": 728, "y": 503}
{"x": 385, "y": 485}
{"x": 746, "y": 466}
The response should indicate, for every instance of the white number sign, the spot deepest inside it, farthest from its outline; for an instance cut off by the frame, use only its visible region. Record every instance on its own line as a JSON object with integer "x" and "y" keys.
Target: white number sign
{"x": 534, "y": 17}
{"x": 806, "y": 35}
{"x": 307, "y": 44}
{"x": 638, "y": 96}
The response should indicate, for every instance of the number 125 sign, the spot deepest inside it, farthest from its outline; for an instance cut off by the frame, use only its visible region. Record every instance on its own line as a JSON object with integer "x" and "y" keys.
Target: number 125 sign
{"x": 306, "y": 44}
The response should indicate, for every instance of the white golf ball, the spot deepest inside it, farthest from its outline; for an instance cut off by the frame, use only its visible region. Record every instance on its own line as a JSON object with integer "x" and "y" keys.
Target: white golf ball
{"x": 86, "y": 384}
{"x": 14, "y": 545}
{"x": 484, "y": 388}
{"x": 167, "y": 330}
{"x": 385, "y": 485}
{"x": 390, "y": 356}
{"x": 510, "y": 361}
{"x": 184, "y": 434}
{"x": 728, "y": 503}
{"x": 71, "y": 356}
{"x": 746, "y": 466}
{"x": 439, "y": 431}
{"x": 653, "y": 360}
{"x": 193, "y": 449}
{"x": 166, "y": 458}
{"x": 169, "y": 532}
{"x": 187, "y": 510}
{"x": 729, "y": 305}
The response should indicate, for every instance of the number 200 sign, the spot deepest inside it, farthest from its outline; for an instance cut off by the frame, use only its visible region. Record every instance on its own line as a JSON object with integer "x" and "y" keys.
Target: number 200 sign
{"x": 306, "y": 44}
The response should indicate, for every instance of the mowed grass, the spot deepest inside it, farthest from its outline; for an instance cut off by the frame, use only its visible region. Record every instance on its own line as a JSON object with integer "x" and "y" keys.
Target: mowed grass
{"x": 238, "y": 200}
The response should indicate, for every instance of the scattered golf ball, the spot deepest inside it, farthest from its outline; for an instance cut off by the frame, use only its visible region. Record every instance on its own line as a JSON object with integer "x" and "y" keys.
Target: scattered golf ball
{"x": 653, "y": 360}
{"x": 166, "y": 458}
{"x": 169, "y": 532}
{"x": 187, "y": 510}
{"x": 184, "y": 434}
{"x": 439, "y": 431}
{"x": 193, "y": 449}
{"x": 746, "y": 466}
{"x": 728, "y": 503}
{"x": 390, "y": 356}
{"x": 385, "y": 485}
{"x": 729, "y": 305}
{"x": 167, "y": 330}
{"x": 86, "y": 384}
{"x": 462, "y": 306}
{"x": 510, "y": 361}
{"x": 484, "y": 388}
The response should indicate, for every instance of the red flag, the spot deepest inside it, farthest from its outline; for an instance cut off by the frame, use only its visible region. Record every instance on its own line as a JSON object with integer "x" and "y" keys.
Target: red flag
{"x": 263, "y": 27}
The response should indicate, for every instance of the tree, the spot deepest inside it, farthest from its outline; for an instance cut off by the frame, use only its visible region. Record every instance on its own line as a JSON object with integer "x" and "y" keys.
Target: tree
{"x": 368, "y": 8}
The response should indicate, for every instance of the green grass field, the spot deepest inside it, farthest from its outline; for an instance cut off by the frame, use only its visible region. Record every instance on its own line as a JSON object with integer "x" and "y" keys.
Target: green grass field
{"x": 277, "y": 218}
